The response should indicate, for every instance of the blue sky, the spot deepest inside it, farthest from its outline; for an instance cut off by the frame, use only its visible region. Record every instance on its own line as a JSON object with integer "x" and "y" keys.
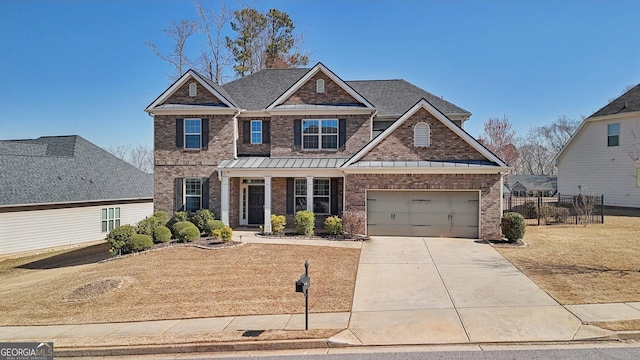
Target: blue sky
{"x": 82, "y": 67}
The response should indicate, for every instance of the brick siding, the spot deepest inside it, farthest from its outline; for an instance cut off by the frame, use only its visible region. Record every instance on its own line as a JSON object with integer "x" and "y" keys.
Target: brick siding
{"x": 333, "y": 93}
{"x": 445, "y": 144}
{"x": 181, "y": 96}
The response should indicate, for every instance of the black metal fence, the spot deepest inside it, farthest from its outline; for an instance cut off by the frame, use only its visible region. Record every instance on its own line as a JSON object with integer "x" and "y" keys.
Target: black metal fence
{"x": 560, "y": 209}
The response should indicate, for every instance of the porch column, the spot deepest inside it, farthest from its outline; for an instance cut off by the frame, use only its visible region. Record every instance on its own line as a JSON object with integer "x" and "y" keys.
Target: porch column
{"x": 310, "y": 193}
{"x": 224, "y": 200}
{"x": 267, "y": 205}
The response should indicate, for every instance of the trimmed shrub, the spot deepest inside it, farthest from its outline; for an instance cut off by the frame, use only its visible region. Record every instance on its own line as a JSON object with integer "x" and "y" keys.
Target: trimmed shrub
{"x": 225, "y": 233}
{"x": 201, "y": 217}
{"x": 513, "y": 226}
{"x": 278, "y": 223}
{"x": 305, "y": 222}
{"x": 119, "y": 239}
{"x": 161, "y": 234}
{"x": 140, "y": 242}
{"x": 147, "y": 225}
{"x": 548, "y": 213}
{"x": 333, "y": 225}
{"x": 353, "y": 222}
{"x": 162, "y": 217}
{"x": 181, "y": 216}
{"x": 186, "y": 231}
{"x": 213, "y": 225}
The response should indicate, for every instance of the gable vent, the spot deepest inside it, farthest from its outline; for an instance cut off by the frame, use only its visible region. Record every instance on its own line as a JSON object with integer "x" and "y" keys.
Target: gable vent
{"x": 320, "y": 86}
{"x": 193, "y": 89}
{"x": 421, "y": 135}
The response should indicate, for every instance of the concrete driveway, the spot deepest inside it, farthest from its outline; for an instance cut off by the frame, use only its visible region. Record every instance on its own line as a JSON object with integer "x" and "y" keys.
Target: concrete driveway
{"x": 443, "y": 291}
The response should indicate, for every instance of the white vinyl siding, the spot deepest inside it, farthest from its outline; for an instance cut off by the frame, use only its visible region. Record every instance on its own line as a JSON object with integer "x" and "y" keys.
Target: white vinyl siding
{"x": 600, "y": 169}
{"x": 61, "y": 227}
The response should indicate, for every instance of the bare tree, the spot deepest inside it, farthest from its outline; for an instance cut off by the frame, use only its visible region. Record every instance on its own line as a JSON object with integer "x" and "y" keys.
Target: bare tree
{"x": 140, "y": 156}
{"x": 499, "y": 138}
{"x": 215, "y": 59}
{"x": 542, "y": 144}
{"x": 179, "y": 32}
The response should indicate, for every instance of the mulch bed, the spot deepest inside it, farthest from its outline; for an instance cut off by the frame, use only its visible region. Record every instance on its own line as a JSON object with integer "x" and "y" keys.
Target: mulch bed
{"x": 317, "y": 236}
{"x": 507, "y": 244}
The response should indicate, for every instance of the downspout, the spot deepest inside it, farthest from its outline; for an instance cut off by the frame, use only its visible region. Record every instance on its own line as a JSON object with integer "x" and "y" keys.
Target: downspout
{"x": 373, "y": 114}
{"x": 236, "y": 133}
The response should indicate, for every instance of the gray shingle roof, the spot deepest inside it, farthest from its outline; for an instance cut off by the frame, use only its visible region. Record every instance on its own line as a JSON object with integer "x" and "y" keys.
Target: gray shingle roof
{"x": 533, "y": 182}
{"x": 66, "y": 169}
{"x": 392, "y": 98}
{"x": 260, "y": 89}
{"x": 627, "y": 102}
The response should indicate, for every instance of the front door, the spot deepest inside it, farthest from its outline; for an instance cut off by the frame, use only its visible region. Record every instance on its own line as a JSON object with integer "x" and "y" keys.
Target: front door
{"x": 256, "y": 204}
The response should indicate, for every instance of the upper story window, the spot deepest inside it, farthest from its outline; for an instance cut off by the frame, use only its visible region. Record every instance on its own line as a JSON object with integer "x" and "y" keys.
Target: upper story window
{"x": 613, "y": 134}
{"x": 256, "y": 131}
{"x": 192, "y": 133}
{"x": 320, "y": 134}
{"x": 320, "y": 86}
{"x": 421, "y": 135}
{"x": 193, "y": 89}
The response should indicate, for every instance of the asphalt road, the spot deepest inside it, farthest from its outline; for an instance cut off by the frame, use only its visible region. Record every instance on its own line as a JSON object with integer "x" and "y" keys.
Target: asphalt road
{"x": 619, "y": 353}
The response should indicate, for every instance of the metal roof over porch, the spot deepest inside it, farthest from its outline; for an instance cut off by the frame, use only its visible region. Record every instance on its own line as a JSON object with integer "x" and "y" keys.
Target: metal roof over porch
{"x": 256, "y": 163}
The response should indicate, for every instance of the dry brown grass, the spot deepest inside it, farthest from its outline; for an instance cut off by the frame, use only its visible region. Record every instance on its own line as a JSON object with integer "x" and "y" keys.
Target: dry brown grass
{"x": 598, "y": 263}
{"x": 178, "y": 283}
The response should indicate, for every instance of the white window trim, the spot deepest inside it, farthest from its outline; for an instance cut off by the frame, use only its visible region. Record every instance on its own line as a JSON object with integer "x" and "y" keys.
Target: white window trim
{"x": 611, "y": 135}
{"x": 320, "y": 86}
{"x": 184, "y": 130}
{"x": 417, "y": 137}
{"x": 117, "y": 215}
{"x": 319, "y": 134}
{"x": 256, "y": 132}
{"x": 185, "y": 195}
{"x": 193, "y": 89}
{"x": 295, "y": 194}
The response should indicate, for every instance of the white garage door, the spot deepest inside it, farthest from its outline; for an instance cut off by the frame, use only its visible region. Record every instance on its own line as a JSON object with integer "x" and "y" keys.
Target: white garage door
{"x": 423, "y": 213}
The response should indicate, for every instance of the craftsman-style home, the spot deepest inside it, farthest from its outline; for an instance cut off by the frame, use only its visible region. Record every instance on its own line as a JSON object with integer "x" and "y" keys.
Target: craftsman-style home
{"x": 283, "y": 140}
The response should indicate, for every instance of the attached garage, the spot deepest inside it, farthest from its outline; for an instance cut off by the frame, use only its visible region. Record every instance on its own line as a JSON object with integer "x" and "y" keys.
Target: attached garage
{"x": 423, "y": 213}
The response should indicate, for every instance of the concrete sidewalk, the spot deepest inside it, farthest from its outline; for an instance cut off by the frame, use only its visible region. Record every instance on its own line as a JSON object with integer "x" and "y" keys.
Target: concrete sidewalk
{"x": 408, "y": 291}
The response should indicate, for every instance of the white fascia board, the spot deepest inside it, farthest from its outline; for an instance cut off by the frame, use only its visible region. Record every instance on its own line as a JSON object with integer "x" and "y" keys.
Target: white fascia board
{"x": 196, "y": 110}
{"x": 440, "y": 116}
{"x": 301, "y": 172}
{"x": 430, "y": 170}
{"x": 309, "y": 75}
{"x": 344, "y": 111}
{"x": 81, "y": 202}
{"x": 179, "y": 83}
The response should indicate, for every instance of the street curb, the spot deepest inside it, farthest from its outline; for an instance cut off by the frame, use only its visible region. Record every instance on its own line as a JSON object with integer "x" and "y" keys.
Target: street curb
{"x": 193, "y": 348}
{"x": 628, "y": 335}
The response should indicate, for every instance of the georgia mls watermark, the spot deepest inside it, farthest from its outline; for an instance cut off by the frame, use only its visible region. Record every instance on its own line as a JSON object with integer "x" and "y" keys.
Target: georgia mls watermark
{"x": 26, "y": 351}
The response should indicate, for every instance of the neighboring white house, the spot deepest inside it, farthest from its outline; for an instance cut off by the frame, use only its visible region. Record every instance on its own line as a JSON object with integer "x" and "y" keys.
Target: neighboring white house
{"x": 64, "y": 190}
{"x": 597, "y": 160}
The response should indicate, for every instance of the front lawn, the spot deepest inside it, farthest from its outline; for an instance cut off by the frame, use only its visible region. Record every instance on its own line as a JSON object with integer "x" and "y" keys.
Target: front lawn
{"x": 597, "y": 263}
{"x": 176, "y": 283}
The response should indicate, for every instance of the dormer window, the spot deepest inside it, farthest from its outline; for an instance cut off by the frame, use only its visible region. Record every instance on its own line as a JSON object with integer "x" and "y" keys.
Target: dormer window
{"x": 421, "y": 135}
{"x": 193, "y": 89}
{"x": 320, "y": 86}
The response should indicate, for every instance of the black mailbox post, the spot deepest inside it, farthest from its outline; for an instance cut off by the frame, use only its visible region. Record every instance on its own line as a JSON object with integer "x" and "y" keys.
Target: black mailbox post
{"x": 302, "y": 286}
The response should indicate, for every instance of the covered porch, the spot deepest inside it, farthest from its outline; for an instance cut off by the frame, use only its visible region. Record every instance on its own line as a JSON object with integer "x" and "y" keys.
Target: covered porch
{"x": 254, "y": 188}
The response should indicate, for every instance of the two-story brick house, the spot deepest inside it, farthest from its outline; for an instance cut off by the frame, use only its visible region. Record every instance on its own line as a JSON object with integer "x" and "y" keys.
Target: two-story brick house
{"x": 279, "y": 141}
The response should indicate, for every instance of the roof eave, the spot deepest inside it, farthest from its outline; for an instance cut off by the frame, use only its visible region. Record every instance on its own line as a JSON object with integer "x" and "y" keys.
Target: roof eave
{"x": 427, "y": 170}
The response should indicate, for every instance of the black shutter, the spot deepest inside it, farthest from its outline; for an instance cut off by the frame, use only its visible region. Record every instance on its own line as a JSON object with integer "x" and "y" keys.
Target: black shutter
{"x": 290, "y": 196}
{"x": 246, "y": 132}
{"x": 179, "y": 133}
{"x": 342, "y": 132}
{"x": 297, "y": 133}
{"x": 178, "y": 205}
{"x": 266, "y": 132}
{"x": 334, "y": 196}
{"x": 205, "y": 193}
{"x": 205, "y": 134}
